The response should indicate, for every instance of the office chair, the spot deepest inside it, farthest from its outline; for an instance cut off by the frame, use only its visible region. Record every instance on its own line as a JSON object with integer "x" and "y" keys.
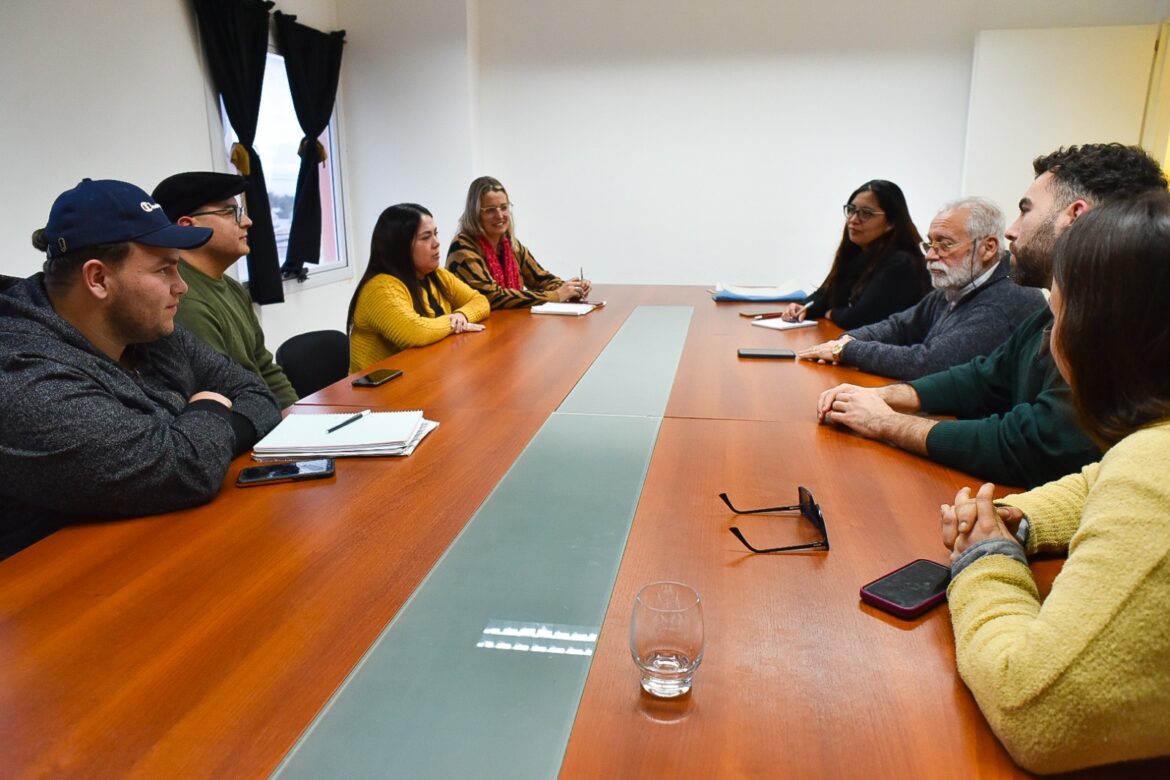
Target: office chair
{"x": 315, "y": 359}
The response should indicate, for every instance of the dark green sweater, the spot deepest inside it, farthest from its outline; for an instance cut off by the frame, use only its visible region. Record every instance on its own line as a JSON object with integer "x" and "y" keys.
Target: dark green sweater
{"x": 1016, "y": 423}
{"x": 219, "y": 312}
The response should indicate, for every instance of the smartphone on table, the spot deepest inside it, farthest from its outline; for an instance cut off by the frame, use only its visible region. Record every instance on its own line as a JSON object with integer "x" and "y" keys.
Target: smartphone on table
{"x": 774, "y": 354}
{"x": 271, "y": 473}
{"x": 379, "y": 377}
{"x": 909, "y": 591}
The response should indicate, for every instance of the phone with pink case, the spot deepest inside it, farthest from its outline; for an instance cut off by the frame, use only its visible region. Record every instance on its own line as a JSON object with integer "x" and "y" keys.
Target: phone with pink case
{"x": 909, "y": 591}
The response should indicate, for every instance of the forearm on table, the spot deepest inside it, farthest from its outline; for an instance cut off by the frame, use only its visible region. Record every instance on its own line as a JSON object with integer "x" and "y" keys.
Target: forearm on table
{"x": 892, "y": 360}
{"x": 906, "y": 431}
{"x": 503, "y": 298}
{"x": 473, "y": 306}
{"x": 900, "y": 397}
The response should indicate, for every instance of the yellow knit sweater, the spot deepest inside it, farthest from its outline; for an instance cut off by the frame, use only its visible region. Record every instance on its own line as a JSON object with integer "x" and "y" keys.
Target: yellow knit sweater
{"x": 1084, "y": 678}
{"x": 385, "y": 322}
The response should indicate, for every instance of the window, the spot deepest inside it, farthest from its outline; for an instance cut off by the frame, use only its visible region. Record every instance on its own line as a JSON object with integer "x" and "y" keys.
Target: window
{"x": 278, "y": 135}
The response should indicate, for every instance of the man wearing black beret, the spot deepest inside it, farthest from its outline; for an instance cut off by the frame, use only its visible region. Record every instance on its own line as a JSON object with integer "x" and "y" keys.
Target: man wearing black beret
{"x": 217, "y": 308}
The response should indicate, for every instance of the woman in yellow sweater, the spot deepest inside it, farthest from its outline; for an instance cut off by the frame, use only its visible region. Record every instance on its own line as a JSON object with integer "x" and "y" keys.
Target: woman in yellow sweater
{"x": 1083, "y": 678}
{"x": 404, "y": 299}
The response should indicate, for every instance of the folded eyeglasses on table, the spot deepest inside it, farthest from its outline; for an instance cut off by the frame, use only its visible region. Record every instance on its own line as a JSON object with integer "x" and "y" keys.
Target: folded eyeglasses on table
{"x": 809, "y": 509}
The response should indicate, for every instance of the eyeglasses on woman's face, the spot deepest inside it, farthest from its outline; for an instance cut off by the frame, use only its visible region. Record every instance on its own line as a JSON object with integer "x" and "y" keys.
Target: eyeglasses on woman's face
{"x": 863, "y": 213}
{"x": 497, "y": 211}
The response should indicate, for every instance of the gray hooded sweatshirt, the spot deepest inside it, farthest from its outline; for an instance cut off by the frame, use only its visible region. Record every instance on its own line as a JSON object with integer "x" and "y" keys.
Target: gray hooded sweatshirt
{"x": 83, "y": 438}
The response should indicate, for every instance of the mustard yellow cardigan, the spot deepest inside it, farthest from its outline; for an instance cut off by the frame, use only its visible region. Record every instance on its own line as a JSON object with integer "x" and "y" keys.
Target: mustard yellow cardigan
{"x": 1084, "y": 678}
{"x": 385, "y": 322}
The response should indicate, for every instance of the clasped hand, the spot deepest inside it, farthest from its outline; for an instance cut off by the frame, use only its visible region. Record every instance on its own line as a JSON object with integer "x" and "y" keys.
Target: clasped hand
{"x": 858, "y": 408}
{"x": 969, "y": 521}
{"x": 460, "y": 323}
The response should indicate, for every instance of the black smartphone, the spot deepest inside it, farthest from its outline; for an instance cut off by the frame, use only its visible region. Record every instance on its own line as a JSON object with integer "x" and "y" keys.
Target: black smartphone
{"x": 909, "y": 591}
{"x": 285, "y": 472}
{"x": 775, "y": 354}
{"x": 379, "y": 377}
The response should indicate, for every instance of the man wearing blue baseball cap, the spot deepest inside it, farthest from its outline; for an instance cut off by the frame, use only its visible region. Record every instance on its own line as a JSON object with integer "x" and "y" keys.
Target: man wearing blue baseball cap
{"x": 106, "y": 409}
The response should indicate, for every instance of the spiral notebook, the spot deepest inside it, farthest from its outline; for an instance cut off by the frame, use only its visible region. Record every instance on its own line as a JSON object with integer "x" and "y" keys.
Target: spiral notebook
{"x": 376, "y": 433}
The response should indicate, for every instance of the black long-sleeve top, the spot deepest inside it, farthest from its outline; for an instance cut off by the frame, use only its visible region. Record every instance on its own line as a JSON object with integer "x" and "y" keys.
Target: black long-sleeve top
{"x": 899, "y": 282}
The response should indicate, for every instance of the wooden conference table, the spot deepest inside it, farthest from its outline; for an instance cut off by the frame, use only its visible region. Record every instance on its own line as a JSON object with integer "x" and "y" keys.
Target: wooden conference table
{"x": 204, "y": 642}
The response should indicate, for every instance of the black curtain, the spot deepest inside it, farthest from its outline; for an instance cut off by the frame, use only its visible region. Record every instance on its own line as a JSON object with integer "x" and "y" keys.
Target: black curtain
{"x": 312, "y": 60}
{"x": 235, "y": 40}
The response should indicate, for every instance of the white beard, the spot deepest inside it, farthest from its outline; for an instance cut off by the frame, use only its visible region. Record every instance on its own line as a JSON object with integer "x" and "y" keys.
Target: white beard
{"x": 953, "y": 278}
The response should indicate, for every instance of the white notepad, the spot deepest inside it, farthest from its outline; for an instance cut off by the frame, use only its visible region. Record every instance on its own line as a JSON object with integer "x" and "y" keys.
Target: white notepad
{"x": 778, "y": 324}
{"x": 568, "y": 309}
{"x": 308, "y": 434}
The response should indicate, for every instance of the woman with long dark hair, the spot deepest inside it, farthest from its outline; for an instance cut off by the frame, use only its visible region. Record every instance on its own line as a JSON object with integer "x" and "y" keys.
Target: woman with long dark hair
{"x": 1083, "y": 677}
{"x": 404, "y": 299}
{"x": 878, "y": 269}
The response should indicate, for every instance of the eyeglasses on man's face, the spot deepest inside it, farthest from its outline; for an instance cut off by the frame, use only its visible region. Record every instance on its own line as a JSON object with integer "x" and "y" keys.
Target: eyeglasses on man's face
{"x": 943, "y": 247}
{"x": 235, "y": 211}
{"x": 497, "y": 211}
{"x": 809, "y": 510}
{"x": 863, "y": 213}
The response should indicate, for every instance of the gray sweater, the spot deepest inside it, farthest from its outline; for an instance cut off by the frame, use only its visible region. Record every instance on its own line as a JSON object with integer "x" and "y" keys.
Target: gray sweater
{"x": 82, "y": 438}
{"x": 934, "y": 335}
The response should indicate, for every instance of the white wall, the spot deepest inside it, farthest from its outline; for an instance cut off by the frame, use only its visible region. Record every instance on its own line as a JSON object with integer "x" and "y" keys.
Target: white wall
{"x": 695, "y": 142}
{"x": 1012, "y": 121}
{"x": 87, "y": 94}
{"x": 406, "y": 86}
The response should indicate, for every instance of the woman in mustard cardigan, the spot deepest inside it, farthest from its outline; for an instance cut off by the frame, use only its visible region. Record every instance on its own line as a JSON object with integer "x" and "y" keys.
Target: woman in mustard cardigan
{"x": 404, "y": 299}
{"x": 1083, "y": 677}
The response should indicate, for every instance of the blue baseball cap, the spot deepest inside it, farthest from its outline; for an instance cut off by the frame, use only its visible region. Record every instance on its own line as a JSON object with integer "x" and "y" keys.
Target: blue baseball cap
{"x": 105, "y": 211}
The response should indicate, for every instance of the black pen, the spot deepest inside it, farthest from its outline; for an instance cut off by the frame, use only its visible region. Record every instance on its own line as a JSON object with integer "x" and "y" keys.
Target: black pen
{"x": 348, "y": 420}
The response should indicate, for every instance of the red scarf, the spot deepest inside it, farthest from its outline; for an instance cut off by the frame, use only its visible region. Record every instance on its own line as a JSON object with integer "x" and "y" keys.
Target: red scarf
{"x": 507, "y": 274}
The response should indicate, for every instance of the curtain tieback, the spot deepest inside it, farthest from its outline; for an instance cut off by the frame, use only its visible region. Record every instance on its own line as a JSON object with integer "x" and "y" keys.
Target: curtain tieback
{"x": 322, "y": 155}
{"x": 241, "y": 159}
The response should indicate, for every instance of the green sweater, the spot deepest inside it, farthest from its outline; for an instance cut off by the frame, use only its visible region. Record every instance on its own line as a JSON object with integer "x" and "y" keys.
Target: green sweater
{"x": 1016, "y": 423}
{"x": 219, "y": 312}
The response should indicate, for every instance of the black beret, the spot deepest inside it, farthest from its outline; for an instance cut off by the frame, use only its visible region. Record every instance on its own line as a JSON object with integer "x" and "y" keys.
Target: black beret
{"x": 183, "y": 193}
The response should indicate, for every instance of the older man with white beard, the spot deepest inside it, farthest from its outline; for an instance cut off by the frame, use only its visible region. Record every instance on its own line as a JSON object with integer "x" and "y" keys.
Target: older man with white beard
{"x": 975, "y": 305}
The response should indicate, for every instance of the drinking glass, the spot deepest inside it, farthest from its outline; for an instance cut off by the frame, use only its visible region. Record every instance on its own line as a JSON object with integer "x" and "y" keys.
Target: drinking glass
{"x": 666, "y": 637}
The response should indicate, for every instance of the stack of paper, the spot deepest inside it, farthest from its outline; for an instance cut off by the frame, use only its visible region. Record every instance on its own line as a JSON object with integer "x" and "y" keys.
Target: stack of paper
{"x": 570, "y": 309}
{"x": 782, "y": 292}
{"x": 373, "y": 433}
